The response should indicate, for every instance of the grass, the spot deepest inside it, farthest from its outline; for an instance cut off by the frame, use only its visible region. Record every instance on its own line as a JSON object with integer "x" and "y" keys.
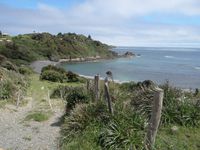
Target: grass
{"x": 39, "y": 91}
{"x": 83, "y": 129}
{"x": 41, "y": 87}
{"x": 27, "y": 138}
{"x": 37, "y": 116}
{"x": 3, "y": 103}
{"x": 84, "y": 125}
{"x": 185, "y": 138}
{"x": 87, "y": 140}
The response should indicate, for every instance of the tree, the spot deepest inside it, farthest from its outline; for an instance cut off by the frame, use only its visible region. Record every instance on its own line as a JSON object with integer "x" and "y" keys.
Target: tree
{"x": 0, "y": 33}
{"x": 89, "y": 37}
{"x": 59, "y": 34}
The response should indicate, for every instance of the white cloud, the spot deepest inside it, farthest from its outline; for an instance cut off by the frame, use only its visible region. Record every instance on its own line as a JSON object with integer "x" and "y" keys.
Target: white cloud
{"x": 112, "y": 21}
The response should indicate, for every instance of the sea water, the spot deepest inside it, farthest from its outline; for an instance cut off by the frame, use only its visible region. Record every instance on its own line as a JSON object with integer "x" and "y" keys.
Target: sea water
{"x": 180, "y": 66}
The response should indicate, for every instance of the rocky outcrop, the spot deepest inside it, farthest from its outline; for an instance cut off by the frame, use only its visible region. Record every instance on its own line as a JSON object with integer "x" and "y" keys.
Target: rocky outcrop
{"x": 128, "y": 54}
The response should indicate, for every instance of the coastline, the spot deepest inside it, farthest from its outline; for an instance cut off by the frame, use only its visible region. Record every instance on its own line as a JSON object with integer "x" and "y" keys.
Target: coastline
{"x": 39, "y": 64}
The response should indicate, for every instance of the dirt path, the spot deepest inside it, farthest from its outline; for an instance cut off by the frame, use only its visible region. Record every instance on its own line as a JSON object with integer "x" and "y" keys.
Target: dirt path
{"x": 17, "y": 134}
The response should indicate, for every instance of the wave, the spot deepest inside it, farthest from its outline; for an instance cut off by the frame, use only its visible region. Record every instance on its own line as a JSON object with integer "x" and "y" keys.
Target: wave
{"x": 197, "y": 67}
{"x": 170, "y": 57}
{"x": 177, "y": 58}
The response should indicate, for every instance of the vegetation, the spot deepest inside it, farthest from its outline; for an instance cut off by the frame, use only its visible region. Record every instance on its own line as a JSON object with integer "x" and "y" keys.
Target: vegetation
{"x": 11, "y": 83}
{"x": 87, "y": 124}
{"x": 90, "y": 126}
{"x": 25, "y": 70}
{"x": 76, "y": 96}
{"x": 37, "y": 116}
{"x": 53, "y": 76}
{"x": 54, "y": 68}
{"x": 56, "y": 74}
{"x": 180, "y": 108}
{"x": 23, "y": 49}
{"x": 72, "y": 77}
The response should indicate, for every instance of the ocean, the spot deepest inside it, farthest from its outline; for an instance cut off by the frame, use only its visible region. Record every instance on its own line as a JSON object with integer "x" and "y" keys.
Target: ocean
{"x": 180, "y": 66}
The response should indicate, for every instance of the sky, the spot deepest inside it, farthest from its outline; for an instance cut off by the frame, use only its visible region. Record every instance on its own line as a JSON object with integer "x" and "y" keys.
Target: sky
{"x": 173, "y": 23}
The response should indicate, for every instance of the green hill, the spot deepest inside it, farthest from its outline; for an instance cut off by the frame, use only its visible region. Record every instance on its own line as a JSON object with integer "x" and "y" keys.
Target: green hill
{"x": 23, "y": 49}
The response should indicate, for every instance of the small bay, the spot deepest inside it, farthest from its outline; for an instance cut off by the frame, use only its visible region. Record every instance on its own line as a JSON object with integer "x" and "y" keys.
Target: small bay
{"x": 180, "y": 66}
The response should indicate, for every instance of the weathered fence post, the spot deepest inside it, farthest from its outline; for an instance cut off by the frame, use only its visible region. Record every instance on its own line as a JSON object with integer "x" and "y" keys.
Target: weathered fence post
{"x": 88, "y": 84}
{"x": 155, "y": 118}
{"x": 107, "y": 96}
{"x": 96, "y": 87}
{"x": 49, "y": 100}
{"x": 18, "y": 98}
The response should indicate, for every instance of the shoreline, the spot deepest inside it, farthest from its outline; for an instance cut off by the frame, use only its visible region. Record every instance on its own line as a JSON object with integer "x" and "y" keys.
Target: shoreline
{"x": 39, "y": 64}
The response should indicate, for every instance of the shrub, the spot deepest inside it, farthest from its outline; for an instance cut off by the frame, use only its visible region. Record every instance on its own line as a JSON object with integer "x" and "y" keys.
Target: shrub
{"x": 61, "y": 91}
{"x": 6, "y": 89}
{"x": 10, "y": 66}
{"x": 10, "y": 83}
{"x": 53, "y": 76}
{"x": 76, "y": 95}
{"x": 72, "y": 77}
{"x": 51, "y": 67}
{"x": 2, "y": 58}
{"x": 53, "y": 73}
{"x": 25, "y": 70}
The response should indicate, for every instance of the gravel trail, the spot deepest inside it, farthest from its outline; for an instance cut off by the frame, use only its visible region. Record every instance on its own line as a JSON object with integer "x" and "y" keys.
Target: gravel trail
{"x": 16, "y": 134}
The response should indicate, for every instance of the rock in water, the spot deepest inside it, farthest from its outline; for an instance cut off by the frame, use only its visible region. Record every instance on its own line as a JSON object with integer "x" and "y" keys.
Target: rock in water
{"x": 129, "y": 54}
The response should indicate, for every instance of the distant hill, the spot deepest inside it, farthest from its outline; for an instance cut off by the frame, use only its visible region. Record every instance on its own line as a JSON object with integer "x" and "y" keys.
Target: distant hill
{"x": 23, "y": 49}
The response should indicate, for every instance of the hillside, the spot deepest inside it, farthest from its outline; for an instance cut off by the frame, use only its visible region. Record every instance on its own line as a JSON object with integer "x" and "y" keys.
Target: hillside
{"x": 23, "y": 49}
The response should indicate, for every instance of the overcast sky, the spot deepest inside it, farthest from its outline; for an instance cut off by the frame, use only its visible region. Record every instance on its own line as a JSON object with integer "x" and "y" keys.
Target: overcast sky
{"x": 116, "y": 22}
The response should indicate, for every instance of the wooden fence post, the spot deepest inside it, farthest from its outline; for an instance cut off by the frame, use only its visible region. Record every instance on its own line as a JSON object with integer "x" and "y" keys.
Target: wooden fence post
{"x": 18, "y": 98}
{"x": 49, "y": 99}
{"x": 96, "y": 87}
{"x": 107, "y": 96}
{"x": 88, "y": 84}
{"x": 155, "y": 118}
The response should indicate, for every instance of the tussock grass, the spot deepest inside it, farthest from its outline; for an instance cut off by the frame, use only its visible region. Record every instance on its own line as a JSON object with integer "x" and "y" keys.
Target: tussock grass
{"x": 85, "y": 129}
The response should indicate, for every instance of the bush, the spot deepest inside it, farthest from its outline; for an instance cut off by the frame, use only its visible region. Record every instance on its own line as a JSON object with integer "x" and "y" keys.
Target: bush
{"x": 25, "y": 70}
{"x": 6, "y": 89}
{"x": 76, "y": 95}
{"x": 10, "y": 66}
{"x": 72, "y": 77}
{"x": 61, "y": 91}
{"x": 51, "y": 67}
{"x": 53, "y": 76}
{"x": 10, "y": 83}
